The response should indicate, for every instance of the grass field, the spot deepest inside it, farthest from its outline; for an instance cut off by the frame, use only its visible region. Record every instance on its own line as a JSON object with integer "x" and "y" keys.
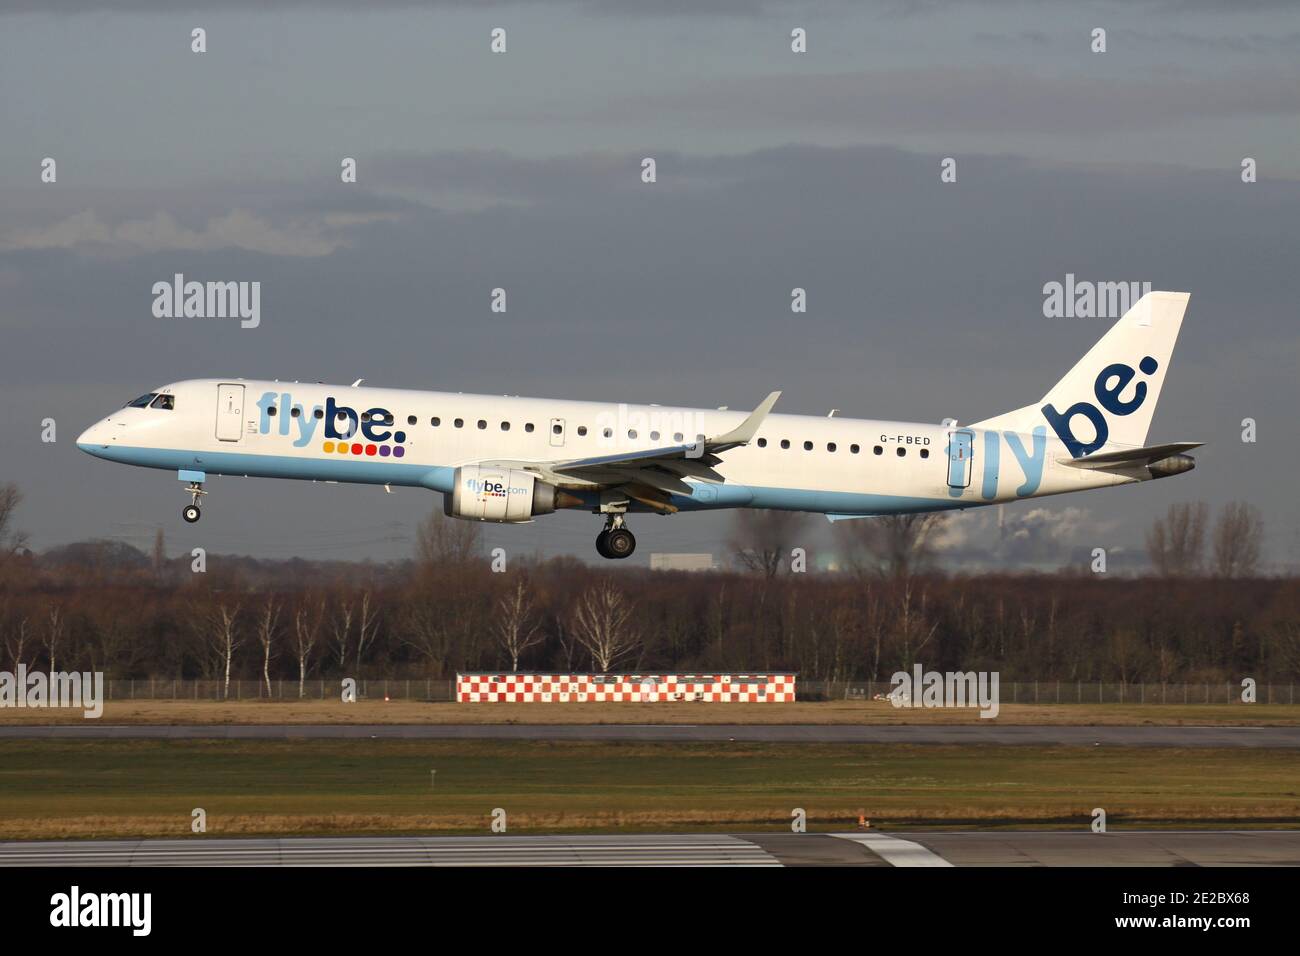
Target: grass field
{"x": 831, "y": 712}
{"x": 111, "y": 788}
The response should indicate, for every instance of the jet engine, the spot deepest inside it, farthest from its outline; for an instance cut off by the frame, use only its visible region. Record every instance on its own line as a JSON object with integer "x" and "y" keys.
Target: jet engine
{"x": 1173, "y": 465}
{"x": 482, "y": 493}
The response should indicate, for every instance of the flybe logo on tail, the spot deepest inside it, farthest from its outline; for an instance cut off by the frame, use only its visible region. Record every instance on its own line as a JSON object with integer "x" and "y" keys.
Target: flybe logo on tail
{"x": 1111, "y": 381}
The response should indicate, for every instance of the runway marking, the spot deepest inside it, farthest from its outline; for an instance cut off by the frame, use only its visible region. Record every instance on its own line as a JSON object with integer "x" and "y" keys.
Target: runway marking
{"x": 551, "y": 851}
{"x": 894, "y": 850}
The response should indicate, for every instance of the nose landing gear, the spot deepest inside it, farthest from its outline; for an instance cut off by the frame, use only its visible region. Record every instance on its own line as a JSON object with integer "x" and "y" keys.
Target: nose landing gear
{"x": 192, "y": 513}
{"x": 615, "y": 541}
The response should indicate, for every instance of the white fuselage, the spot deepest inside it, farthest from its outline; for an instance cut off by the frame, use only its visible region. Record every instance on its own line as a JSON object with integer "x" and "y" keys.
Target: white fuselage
{"x": 839, "y": 466}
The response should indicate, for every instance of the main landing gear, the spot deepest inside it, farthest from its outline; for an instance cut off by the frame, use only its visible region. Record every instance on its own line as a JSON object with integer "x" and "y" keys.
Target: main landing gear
{"x": 192, "y": 513}
{"x": 615, "y": 541}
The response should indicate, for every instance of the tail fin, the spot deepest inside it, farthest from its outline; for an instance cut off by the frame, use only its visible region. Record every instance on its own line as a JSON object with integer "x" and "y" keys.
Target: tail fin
{"x": 1111, "y": 394}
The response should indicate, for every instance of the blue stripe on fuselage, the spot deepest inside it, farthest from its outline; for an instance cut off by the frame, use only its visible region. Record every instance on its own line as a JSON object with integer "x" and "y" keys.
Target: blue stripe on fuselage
{"x": 439, "y": 478}
{"x": 373, "y": 471}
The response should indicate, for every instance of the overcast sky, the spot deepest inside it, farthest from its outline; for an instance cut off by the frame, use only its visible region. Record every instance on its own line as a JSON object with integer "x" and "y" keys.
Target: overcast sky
{"x": 521, "y": 170}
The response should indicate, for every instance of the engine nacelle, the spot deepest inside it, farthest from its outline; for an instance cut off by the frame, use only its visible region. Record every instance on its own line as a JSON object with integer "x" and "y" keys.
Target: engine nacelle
{"x": 498, "y": 494}
{"x": 1173, "y": 465}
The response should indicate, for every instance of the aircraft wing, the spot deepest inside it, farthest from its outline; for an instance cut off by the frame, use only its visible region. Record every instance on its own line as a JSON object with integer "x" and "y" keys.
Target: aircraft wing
{"x": 651, "y": 475}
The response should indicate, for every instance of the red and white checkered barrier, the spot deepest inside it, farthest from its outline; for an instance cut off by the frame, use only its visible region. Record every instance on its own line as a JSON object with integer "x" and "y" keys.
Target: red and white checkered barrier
{"x": 624, "y": 688}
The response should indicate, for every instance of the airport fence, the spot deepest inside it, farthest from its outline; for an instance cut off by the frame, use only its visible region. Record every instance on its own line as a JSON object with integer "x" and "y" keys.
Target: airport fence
{"x": 424, "y": 689}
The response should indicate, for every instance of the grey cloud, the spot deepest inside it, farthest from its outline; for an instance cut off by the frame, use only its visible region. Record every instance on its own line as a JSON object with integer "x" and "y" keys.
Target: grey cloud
{"x": 969, "y": 99}
{"x": 628, "y": 7}
{"x": 238, "y": 229}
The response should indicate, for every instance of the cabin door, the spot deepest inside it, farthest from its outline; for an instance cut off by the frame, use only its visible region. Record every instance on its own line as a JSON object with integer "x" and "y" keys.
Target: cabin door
{"x": 230, "y": 412}
{"x": 961, "y": 449}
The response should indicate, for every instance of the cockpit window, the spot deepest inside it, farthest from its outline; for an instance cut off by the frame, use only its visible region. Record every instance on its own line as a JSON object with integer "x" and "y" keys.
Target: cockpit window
{"x": 167, "y": 402}
{"x": 142, "y": 401}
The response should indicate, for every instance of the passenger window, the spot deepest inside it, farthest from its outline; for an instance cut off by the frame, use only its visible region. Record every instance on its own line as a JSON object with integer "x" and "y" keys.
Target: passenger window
{"x": 654, "y": 436}
{"x": 482, "y": 423}
{"x": 410, "y": 419}
{"x": 271, "y": 411}
{"x": 459, "y": 423}
{"x": 854, "y": 449}
{"x": 435, "y": 421}
{"x": 677, "y": 436}
{"x": 785, "y": 443}
{"x": 807, "y": 446}
{"x": 528, "y": 427}
{"x": 878, "y": 450}
{"x": 318, "y": 413}
{"x": 830, "y": 446}
{"x": 925, "y": 453}
{"x": 505, "y": 426}
{"x": 557, "y": 429}
{"x": 901, "y": 451}
{"x": 295, "y": 412}
{"x": 165, "y": 402}
{"x": 582, "y": 430}
{"x": 762, "y": 443}
{"x": 608, "y": 433}
{"x": 631, "y": 433}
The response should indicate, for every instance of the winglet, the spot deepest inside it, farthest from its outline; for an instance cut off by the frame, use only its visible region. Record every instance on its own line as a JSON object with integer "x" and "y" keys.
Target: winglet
{"x": 743, "y": 433}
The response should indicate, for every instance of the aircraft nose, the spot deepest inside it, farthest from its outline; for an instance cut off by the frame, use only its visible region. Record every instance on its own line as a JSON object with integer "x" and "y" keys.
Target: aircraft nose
{"x": 92, "y": 438}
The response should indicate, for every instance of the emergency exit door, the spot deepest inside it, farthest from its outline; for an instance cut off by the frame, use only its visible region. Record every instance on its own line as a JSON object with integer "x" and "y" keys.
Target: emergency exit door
{"x": 230, "y": 412}
{"x": 961, "y": 449}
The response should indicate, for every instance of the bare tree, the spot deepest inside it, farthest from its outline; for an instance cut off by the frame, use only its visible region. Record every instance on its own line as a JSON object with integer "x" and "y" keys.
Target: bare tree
{"x": 1176, "y": 542}
{"x": 516, "y": 628}
{"x": 897, "y": 546}
{"x": 307, "y": 620}
{"x": 568, "y": 644}
{"x": 221, "y": 632}
{"x": 913, "y": 625}
{"x": 423, "y": 627}
{"x": 159, "y": 557}
{"x": 367, "y": 627}
{"x": 16, "y": 641}
{"x": 341, "y": 631}
{"x": 600, "y": 624}
{"x": 55, "y": 630}
{"x": 10, "y": 539}
{"x": 761, "y": 539}
{"x": 1238, "y": 540}
{"x": 445, "y": 540}
{"x": 268, "y": 626}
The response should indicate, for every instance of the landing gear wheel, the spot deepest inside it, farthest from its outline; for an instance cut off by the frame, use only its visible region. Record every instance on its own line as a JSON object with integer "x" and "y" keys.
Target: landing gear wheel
{"x": 619, "y": 543}
{"x": 602, "y": 547}
{"x": 191, "y": 513}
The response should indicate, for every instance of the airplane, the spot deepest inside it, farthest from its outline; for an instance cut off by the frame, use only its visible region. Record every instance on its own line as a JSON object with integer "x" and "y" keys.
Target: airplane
{"x": 511, "y": 459}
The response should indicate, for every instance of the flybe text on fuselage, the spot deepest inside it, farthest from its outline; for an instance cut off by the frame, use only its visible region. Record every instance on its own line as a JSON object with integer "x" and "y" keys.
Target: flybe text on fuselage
{"x": 341, "y": 422}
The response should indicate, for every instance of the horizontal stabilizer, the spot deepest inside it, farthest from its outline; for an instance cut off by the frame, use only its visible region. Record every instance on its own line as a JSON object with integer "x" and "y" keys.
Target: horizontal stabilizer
{"x": 1132, "y": 456}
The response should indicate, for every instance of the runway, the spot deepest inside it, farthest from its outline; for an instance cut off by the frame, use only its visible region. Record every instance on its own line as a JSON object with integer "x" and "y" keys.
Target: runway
{"x": 1041, "y": 736}
{"x": 1150, "y": 848}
